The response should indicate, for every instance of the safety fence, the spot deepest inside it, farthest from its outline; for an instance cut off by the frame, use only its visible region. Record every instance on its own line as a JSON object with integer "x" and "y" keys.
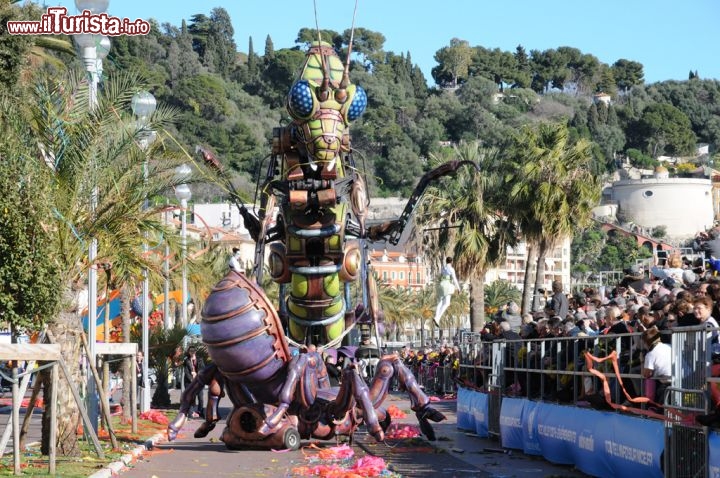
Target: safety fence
{"x": 436, "y": 378}
{"x": 559, "y": 390}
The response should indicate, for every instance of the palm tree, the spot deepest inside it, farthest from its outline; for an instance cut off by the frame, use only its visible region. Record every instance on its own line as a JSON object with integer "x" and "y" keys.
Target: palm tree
{"x": 162, "y": 344}
{"x": 553, "y": 190}
{"x": 501, "y": 292}
{"x": 463, "y": 215}
{"x": 79, "y": 151}
{"x": 458, "y": 309}
{"x": 396, "y": 304}
{"x": 423, "y": 304}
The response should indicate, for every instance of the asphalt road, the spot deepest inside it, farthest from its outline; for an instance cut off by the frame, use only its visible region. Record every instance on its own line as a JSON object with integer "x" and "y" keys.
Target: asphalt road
{"x": 454, "y": 454}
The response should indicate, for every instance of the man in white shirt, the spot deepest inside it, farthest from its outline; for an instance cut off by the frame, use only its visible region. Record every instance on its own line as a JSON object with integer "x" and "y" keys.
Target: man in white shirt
{"x": 234, "y": 262}
{"x": 658, "y": 362}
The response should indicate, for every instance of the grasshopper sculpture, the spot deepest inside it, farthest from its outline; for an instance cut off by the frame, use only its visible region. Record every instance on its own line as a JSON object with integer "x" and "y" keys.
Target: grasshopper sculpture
{"x": 315, "y": 252}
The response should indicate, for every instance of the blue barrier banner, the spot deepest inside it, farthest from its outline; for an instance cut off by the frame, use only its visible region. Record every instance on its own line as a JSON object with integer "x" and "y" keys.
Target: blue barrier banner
{"x": 601, "y": 444}
{"x": 714, "y": 457}
{"x": 463, "y": 410}
{"x": 593, "y": 430}
{"x": 531, "y": 442}
{"x": 557, "y": 434}
{"x": 480, "y": 412}
{"x": 511, "y": 424}
{"x": 637, "y": 453}
{"x": 472, "y": 399}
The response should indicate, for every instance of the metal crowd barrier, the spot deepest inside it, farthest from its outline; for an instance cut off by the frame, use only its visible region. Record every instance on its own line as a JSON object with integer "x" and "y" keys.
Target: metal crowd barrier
{"x": 436, "y": 378}
{"x": 554, "y": 370}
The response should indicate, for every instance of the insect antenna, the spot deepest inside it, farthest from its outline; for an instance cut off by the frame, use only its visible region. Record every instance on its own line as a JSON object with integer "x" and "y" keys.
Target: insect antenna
{"x": 346, "y": 73}
{"x": 325, "y": 87}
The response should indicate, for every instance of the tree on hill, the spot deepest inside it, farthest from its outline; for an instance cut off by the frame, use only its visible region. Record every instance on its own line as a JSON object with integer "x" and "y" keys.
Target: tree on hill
{"x": 308, "y": 35}
{"x": 664, "y": 129}
{"x": 220, "y": 43}
{"x": 453, "y": 63}
{"x": 627, "y": 74}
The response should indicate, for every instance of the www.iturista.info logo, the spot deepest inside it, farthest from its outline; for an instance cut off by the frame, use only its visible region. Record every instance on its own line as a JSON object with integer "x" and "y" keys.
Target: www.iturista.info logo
{"x": 57, "y": 22}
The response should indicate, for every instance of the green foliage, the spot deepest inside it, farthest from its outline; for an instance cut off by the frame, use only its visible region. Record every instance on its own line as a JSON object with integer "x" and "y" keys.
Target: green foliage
{"x": 665, "y": 129}
{"x": 196, "y": 67}
{"x": 698, "y": 100}
{"x": 501, "y": 292}
{"x": 400, "y": 169}
{"x": 464, "y": 214}
{"x": 14, "y": 48}
{"x": 30, "y": 288}
{"x": 593, "y": 250}
{"x": 620, "y": 252}
{"x": 627, "y": 74}
{"x": 454, "y": 62}
{"x": 659, "y": 232}
{"x": 586, "y": 248}
{"x": 640, "y": 160}
{"x": 686, "y": 168}
{"x": 308, "y": 35}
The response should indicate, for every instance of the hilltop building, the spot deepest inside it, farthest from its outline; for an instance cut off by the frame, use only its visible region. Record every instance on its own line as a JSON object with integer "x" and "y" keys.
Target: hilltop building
{"x": 641, "y": 202}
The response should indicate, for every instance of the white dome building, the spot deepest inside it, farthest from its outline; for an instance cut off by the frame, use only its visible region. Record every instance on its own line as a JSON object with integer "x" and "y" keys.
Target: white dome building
{"x": 683, "y": 205}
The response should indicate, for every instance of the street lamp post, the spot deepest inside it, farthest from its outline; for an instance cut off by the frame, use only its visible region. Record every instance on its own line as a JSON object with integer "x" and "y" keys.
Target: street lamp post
{"x": 143, "y": 106}
{"x": 91, "y": 57}
{"x": 183, "y": 194}
{"x": 166, "y": 288}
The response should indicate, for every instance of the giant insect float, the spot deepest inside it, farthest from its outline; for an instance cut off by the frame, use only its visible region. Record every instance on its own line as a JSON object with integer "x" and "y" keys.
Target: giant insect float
{"x": 315, "y": 252}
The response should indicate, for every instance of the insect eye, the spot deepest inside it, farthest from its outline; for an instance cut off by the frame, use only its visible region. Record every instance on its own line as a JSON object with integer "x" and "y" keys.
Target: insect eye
{"x": 358, "y": 104}
{"x": 301, "y": 101}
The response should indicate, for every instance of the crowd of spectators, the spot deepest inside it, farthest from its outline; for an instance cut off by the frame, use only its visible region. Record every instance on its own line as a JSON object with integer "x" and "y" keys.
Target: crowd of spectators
{"x": 436, "y": 368}
{"x": 645, "y": 306}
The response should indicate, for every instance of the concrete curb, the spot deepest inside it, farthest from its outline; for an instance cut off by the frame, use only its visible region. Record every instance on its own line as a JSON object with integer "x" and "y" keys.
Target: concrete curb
{"x": 114, "y": 468}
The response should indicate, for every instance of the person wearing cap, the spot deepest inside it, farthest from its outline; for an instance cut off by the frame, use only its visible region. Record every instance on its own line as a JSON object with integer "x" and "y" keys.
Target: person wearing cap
{"x": 634, "y": 278}
{"x": 657, "y": 365}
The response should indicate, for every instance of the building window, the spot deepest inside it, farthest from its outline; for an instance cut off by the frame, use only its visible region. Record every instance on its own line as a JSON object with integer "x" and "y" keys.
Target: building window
{"x": 402, "y": 276}
{"x": 392, "y": 275}
{"x": 417, "y": 278}
{"x": 384, "y": 275}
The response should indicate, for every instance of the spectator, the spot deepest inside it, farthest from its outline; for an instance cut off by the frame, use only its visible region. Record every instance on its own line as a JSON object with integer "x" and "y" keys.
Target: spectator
{"x": 234, "y": 261}
{"x": 192, "y": 366}
{"x": 139, "y": 357}
{"x": 710, "y": 244}
{"x": 176, "y": 360}
{"x": 672, "y": 269}
{"x": 657, "y": 365}
{"x": 331, "y": 364}
{"x": 512, "y": 315}
{"x": 703, "y": 310}
{"x": 713, "y": 418}
{"x": 560, "y": 305}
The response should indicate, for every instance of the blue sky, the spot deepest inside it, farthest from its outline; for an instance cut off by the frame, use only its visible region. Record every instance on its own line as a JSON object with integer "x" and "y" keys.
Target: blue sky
{"x": 668, "y": 37}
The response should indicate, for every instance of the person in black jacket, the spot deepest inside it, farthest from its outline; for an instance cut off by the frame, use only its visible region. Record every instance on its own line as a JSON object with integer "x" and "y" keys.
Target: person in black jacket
{"x": 192, "y": 366}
